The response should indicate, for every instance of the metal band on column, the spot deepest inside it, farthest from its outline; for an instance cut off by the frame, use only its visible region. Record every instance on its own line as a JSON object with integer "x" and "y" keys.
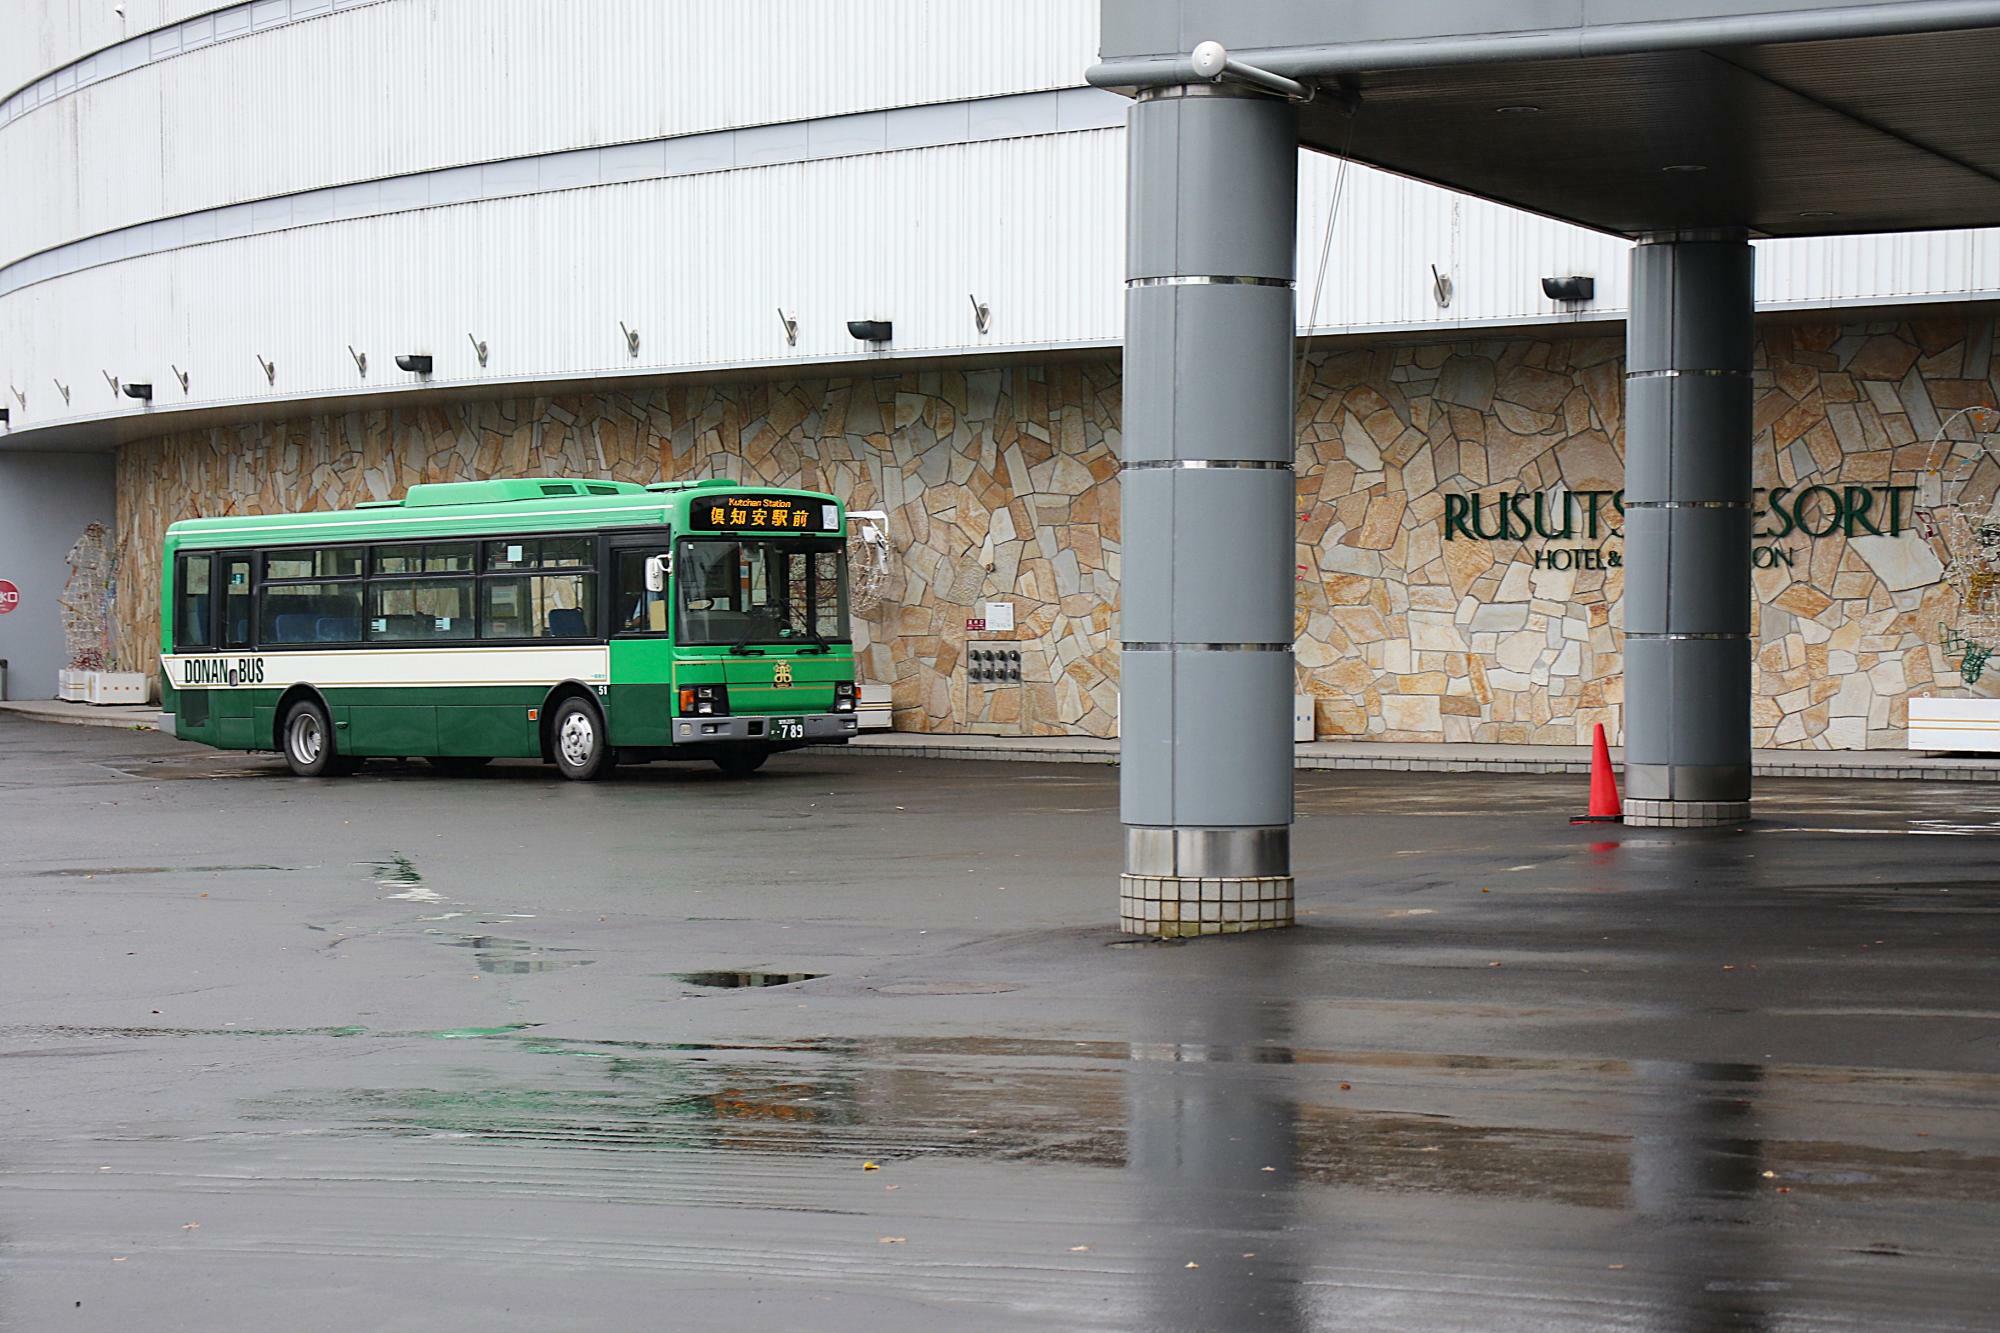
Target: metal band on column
{"x": 1208, "y": 496}
{"x": 1688, "y": 515}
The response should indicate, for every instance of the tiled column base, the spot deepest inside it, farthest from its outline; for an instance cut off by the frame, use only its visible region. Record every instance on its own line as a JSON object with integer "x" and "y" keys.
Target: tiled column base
{"x": 1686, "y": 814}
{"x": 1151, "y": 906}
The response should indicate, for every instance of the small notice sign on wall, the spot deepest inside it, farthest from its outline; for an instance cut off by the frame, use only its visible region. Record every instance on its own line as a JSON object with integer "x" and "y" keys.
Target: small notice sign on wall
{"x": 999, "y": 617}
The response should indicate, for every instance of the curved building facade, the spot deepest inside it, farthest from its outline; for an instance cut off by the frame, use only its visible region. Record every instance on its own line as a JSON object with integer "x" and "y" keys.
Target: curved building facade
{"x": 630, "y": 235}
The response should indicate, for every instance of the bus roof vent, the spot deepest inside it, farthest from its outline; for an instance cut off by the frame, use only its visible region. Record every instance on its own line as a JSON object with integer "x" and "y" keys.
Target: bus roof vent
{"x": 508, "y": 489}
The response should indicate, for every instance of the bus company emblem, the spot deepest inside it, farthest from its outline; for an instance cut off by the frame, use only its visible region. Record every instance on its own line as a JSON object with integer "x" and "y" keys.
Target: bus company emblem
{"x": 222, "y": 671}
{"x": 782, "y": 675}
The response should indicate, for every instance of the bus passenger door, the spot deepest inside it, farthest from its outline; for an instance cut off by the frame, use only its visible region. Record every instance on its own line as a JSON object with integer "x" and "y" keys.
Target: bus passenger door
{"x": 638, "y": 627}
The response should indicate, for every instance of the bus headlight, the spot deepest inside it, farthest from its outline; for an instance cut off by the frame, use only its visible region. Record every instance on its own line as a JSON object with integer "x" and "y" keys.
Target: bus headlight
{"x": 704, "y": 700}
{"x": 843, "y": 696}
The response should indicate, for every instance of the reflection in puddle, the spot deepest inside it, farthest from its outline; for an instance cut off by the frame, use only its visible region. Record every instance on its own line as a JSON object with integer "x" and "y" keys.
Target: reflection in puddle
{"x": 726, "y": 980}
{"x": 1201, "y": 1118}
{"x": 399, "y": 872}
{"x": 497, "y": 953}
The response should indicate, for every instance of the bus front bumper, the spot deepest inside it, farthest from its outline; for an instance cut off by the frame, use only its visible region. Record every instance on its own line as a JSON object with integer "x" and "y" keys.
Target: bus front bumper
{"x": 818, "y": 727}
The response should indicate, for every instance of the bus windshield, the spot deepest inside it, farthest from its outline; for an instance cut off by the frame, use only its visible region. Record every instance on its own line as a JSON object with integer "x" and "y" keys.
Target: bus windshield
{"x": 762, "y": 590}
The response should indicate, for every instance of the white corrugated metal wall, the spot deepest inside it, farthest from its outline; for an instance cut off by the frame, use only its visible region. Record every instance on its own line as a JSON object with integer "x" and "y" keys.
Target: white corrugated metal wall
{"x": 385, "y": 89}
{"x": 1032, "y": 225}
{"x": 699, "y": 265}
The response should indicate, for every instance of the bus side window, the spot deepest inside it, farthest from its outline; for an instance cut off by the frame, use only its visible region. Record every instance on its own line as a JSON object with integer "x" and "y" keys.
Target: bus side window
{"x": 193, "y": 621}
{"x": 639, "y": 611}
{"x": 236, "y": 605}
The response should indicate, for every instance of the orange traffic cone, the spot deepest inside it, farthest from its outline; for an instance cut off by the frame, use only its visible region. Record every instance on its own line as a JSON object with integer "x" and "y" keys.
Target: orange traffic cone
{"x": 1605, "y": 807}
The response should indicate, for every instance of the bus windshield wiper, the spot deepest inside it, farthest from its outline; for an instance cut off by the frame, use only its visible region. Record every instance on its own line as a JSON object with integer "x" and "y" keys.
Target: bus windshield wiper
{"x": 742, "y": 648}
{"x": 820, "y": 645}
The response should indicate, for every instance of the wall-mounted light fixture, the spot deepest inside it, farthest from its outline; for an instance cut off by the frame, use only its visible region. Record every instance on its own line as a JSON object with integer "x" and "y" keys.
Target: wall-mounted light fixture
{"x": 478, "y": 347}
{"x": 360, "y": 360}
{"x": 6, "y": 415}
{"x": 1440, "y": 288}
{"x": 180, "y": 375}
{"x": 982, "y": 314}
{"x": 142, "y": 392}
{"x": 1575, "y": 288}
{"x": 631, "y": 339}
{"x": 871, "y": 330}
{"x": 417, "y": 363}
{"x": 791, "y": 323}
{"x": 270, "y": 368}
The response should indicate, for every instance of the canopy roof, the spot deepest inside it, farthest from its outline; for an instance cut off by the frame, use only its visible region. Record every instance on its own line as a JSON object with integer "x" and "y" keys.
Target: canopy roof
{"x": 1630, "y": 116}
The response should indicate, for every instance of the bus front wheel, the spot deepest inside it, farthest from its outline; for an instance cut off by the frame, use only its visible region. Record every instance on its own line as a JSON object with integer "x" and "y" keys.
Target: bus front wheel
{"x": 581, "y": 750}
{"x": 742, "y": 763}
{"x": 309, "y": 746}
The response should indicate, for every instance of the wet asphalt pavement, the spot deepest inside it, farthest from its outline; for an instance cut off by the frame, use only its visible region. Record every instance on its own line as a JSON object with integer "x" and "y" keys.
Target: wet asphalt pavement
{"x": 405, "y": 1051}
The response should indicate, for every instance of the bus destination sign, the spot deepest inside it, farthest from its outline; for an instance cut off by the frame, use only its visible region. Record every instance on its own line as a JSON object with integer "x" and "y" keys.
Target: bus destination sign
{"x": 773, "y": 513}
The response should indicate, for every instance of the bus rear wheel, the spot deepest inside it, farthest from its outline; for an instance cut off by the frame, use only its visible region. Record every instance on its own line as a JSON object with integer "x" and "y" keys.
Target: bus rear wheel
{"x": 309, "y": 746}
{"x": 742, "y": 763}
{"x": 582, "y": 754}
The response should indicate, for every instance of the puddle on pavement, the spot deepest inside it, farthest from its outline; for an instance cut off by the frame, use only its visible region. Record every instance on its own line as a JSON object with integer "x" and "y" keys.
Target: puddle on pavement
{"x": 348, "y": 1030}
{"x": 1685, "y": 1152}
{"x": 400, "y": 873}
{"x": 92, "y": 872}
{"x": 512, "y": 957}
{"x": 726, "y": 980}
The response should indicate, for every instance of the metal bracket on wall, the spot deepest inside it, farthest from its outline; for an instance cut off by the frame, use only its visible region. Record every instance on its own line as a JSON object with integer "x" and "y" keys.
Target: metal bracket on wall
{"x": 20, "y": 398}
{"x": 112, "y": 380}
{"x": 791, "y": 323}
{"x": 360, "y": 360}
{"x": 180, "y": 375}
{"x": 270, "y": 368}
{"x": 631, "y": 338}
{"x": 478, "y": 347}
{"x": 1441, "y": 286}
{"x": 982, "y": 314}
{"x": 62, "y": 389}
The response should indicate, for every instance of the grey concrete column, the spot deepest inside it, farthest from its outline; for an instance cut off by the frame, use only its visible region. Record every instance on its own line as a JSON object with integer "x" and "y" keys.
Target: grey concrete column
{"x": 1688, "y": 506}
{"x": 1207, "y": 569}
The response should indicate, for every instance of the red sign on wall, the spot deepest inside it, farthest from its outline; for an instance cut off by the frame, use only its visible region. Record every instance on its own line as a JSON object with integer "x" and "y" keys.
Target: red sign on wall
{"x": 10, "y": 597}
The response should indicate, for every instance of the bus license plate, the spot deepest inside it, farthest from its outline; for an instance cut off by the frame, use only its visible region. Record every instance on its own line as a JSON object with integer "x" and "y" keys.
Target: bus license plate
{"x": 789, "y": 728}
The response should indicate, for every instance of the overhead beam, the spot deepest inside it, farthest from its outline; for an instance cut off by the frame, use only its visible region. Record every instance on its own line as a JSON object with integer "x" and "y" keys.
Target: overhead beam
{"x": 1897, "y": 19}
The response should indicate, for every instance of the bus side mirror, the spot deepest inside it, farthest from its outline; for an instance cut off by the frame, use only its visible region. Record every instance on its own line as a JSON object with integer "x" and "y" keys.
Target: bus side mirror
{"x": 657, "y": 568}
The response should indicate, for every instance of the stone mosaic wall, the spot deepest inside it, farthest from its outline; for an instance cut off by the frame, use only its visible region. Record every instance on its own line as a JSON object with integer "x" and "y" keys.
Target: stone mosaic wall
{"x": 1407, "y": 636}
{"x": 1002, "y": 485}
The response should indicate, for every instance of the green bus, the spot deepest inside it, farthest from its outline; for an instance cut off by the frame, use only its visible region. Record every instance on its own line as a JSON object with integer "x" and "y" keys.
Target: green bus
{"x": 583, "y": 623}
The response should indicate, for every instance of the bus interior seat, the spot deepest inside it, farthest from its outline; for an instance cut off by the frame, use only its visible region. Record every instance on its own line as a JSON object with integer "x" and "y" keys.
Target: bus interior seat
{"x": 336, "y": 629}
{"x": 239, "y": 630}
{"x": 404, "y": 627}
{"x": 296, "y": 627}
{"x": 197, "y": 609}
{"x": 566, "y": 622}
